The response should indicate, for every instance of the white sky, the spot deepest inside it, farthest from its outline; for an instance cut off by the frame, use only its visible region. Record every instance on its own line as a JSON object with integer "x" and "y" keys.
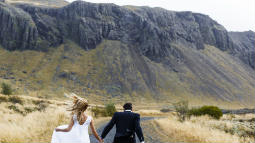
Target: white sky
{"x": 234, "y": 15}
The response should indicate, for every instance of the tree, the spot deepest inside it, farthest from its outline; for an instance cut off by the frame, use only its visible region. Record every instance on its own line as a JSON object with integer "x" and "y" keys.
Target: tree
{"x": 182, "y": 109}
{"x": 110, "y": 109}
{"x": 97, "y": 111}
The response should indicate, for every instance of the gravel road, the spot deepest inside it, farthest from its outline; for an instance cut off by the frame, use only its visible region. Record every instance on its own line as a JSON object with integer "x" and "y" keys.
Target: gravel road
{"x": 150, "y": 134}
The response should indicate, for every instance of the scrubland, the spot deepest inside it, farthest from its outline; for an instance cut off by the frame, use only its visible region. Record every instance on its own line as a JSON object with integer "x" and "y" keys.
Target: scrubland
{"x": 31, "y": 119}
{"x": 204, "y": 129}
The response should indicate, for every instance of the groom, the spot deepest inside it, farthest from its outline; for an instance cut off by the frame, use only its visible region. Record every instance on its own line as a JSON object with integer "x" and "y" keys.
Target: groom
{"x": 127, "y": 124}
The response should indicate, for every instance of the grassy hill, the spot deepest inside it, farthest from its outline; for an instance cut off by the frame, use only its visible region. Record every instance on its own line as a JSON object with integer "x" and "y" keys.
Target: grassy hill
{"x": 208, "y": 77}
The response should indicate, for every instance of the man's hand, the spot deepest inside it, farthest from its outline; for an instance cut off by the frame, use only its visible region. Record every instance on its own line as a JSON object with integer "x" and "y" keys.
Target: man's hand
{"x": 101, "y": 141}
{"x": 142, "y": 142}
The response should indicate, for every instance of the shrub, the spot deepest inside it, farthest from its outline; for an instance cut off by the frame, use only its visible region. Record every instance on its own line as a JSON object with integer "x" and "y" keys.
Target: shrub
{"x": 42, "y": 106}
{"x": 194, "y": 112}
{"x": 37, "y": 102}
{"x": 16, "y": 109}
{"x": 97, "y": 111}
{"x": 110, "y": 109}
{"x": 212, "y": 111}
{"x": 3, "y": 99}
{"x": 29, "y": 110}
{"x": 6, "y": 89}
{"x": 182, "y": 109}
{"x": 16, "y": 99}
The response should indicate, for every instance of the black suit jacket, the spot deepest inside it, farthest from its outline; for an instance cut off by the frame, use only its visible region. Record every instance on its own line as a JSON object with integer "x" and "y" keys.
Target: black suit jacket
{"x": 127, "y": 124}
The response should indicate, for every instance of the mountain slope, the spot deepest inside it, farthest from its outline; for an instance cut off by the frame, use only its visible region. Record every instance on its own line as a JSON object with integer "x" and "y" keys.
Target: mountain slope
{"x": 124, "y": 52}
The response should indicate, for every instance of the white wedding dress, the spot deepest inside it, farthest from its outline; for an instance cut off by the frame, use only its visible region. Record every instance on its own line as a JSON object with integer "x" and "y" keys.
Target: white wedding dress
{"x": 78, "y": 134}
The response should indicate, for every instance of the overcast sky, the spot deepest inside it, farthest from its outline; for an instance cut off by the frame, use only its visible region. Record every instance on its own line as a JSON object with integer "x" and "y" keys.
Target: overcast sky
{"x": 234, "y": 15}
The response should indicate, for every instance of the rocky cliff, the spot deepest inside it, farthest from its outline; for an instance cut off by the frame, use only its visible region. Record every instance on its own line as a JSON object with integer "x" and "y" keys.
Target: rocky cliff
{"x": 129, "y": 51}
{"x": 88, "y": 24}
{"x": 244, "y": 46}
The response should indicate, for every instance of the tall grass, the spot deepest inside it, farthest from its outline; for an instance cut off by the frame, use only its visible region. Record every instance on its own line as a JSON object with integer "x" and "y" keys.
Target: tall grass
{"x": 37, "y": 121}
{"x": 35, "y": 127}
{"x": 198, "y": 129}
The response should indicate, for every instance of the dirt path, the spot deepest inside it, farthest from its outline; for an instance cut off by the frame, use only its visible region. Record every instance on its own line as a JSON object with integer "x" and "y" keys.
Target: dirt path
{"x": 150, "y": 134}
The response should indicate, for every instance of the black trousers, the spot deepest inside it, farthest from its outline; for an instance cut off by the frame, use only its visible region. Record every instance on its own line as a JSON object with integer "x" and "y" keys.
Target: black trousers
{"x": 124, "y": 139}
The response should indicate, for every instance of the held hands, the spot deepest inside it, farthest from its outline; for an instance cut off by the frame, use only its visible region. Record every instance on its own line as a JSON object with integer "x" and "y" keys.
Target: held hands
{"x": 57, "y": 130}
{"x": 101, "y": 140}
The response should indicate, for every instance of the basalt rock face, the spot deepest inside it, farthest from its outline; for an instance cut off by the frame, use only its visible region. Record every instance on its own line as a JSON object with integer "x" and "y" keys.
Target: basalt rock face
{"x": 114, "y": 50}
{"x": 244, "y": 46}
{"x": 152, "y": 30}
{"x": 18, "y": 30}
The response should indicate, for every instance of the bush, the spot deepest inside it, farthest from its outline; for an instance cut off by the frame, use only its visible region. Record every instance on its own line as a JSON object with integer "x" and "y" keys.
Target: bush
{"x": 37, "y": 102}
{"x": 15, "y": 99}
{"x": 16, "y": 109}
{"x": 42, "y": 107}
{"x": 182, "y": 109}
{"x": 212, "y": 111}
{"x": 3, "y": 99}
{"x": 110, "y": 109}
{"x": 6, "y": 89}
{"x": 29, "y": 110}
{"x": 41, "y": 104}
{"x": 97, "y": 111}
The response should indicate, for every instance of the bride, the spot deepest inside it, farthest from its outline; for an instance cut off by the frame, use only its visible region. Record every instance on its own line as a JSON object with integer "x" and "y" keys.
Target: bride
{"x": 77, "y": 130}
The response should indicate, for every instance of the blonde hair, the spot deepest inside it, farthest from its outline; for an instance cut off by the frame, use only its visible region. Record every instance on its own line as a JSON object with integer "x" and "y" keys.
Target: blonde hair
{"x": 79, "y": 106}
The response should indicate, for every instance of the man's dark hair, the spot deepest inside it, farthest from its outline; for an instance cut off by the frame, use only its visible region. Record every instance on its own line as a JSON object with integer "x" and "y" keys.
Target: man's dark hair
{"x": 127, "y": 106}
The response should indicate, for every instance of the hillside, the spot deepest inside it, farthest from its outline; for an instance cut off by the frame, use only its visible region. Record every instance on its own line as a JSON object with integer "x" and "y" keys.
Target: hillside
{"x": 125, "y": 53}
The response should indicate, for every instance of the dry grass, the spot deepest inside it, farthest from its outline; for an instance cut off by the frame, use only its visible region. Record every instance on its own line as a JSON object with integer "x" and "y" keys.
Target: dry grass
{"x": 200, "y": 129}
{"x": 35, "y": 126}
{"x": 240, "y": 125}
{"x": 238, "y": 117}
{"x": 150, "y": 113}
{"x": 38, "y": 125}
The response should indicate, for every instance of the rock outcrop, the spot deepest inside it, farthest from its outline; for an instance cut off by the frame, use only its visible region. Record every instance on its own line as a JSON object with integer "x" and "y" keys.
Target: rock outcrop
{"x": 18, "y": 30}
{"x": 153, "y": 30}
{"x": 244, "y": 46}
